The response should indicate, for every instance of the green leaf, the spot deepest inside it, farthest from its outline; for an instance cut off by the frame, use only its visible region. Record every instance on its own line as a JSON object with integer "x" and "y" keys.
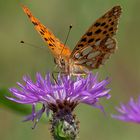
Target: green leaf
{"x": 16, "y": 107}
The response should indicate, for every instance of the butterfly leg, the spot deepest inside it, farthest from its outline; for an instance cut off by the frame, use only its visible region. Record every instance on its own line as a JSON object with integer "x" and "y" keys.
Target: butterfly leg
{"x": 55, "y": 80}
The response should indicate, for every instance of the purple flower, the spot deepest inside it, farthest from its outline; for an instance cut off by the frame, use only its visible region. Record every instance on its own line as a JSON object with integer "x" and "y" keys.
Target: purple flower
{"x": 129, "y": 112}
{"x": 61, "y": 95}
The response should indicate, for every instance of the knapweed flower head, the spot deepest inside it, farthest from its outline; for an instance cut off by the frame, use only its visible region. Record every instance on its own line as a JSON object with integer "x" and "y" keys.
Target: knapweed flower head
{"x": 129, "y": 112}
{"x": 60, "y": 96}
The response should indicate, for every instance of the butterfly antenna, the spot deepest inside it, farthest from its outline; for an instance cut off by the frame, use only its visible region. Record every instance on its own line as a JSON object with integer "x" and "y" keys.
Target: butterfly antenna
{"x": 32, "y": 45}
{"x": 70, "y": 27}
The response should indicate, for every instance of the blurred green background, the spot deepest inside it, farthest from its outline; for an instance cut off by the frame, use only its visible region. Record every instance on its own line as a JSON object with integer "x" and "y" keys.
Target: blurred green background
{"x": 17, "y": 60}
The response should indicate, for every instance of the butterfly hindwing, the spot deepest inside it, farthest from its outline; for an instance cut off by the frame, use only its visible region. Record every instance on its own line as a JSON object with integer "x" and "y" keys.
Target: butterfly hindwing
{"x": 97, "y": 43}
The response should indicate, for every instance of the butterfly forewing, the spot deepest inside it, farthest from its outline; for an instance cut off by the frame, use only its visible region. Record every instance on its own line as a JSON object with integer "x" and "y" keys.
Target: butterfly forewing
{"x": 97, "y": 43}
{"x": 54, "y": 44}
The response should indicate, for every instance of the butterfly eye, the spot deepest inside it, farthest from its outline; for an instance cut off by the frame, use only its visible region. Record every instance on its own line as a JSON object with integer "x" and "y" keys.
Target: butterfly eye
{"x": 62, "y": 62}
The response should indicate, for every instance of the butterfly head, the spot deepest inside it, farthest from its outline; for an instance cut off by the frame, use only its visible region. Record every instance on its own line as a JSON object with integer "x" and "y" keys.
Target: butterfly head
{"x": 62, "y": 63}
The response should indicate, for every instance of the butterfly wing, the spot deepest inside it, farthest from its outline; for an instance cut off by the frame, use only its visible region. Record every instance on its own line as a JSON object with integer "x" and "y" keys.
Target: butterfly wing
{"x": 97, "y": 44}
{"x": 54, "y": 44}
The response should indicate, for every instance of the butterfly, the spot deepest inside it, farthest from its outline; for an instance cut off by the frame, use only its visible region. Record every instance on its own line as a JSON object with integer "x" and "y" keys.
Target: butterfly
{"x": 91, "y": 51}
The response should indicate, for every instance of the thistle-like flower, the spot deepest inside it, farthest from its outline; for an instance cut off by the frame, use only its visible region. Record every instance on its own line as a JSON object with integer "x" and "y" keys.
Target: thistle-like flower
{"x": 60, "y": 96}
{"x": 129, "y": 112}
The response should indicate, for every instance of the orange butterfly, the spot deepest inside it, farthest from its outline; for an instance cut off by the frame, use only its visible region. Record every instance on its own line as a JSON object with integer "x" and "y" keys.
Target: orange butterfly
{"x": 94, "y": 47}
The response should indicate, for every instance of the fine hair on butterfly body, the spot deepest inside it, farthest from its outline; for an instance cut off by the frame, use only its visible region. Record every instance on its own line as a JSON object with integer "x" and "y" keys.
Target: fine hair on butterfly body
{"x": 91, "y": 51}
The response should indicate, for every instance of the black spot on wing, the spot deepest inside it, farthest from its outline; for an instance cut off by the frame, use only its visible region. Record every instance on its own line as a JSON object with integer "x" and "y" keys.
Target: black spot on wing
{"x": 98, "y": 31}
{"x": 104, "y": 32}
{"x": 107, "y": 35}
{"x": 29, "y": 15}
{"x": 106, "y": 26}
{"x": 50, "y": 44}
{"x": 112, "y": 23}
{"x": 97, "y": 24}
{"x": 46, "y": 39}
{"x": 51, "y": 39}
{"x": 89, "y": 33}
{"x": 77, "y": 48}
{"x": 41, "y": 32}
{"x": 90, "y": 40}
{"x": 84, "y": 39}
{"x": 97, "y": 39}
{"x": 80, "y": 45}
{"x": 103, "y": 24}
{"x": 35, "y": 23}
{"x": 111, "y": 29}
{"x": 113, "y": 33}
